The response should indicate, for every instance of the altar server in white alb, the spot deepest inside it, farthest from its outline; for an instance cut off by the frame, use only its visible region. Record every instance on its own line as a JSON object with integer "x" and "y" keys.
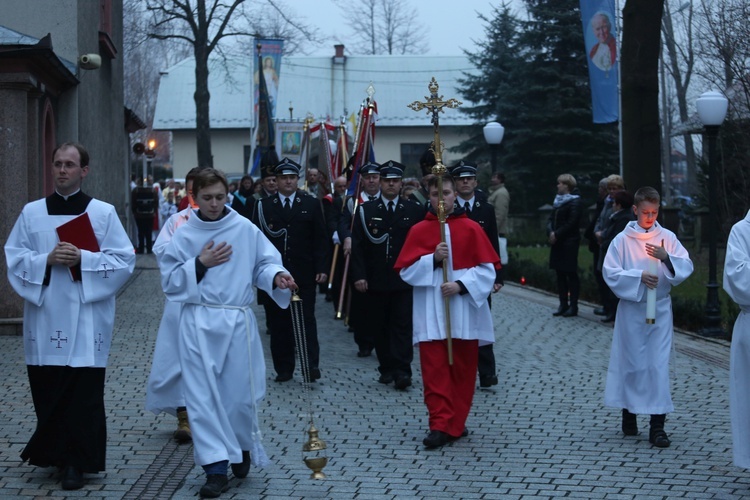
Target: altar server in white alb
{"x": 164, "y": 393}
{"x": 737, "y": 285}
{"x": 221, "y": 356}
{"x": 643, "y": 256}
{"x": 69, "y": 314}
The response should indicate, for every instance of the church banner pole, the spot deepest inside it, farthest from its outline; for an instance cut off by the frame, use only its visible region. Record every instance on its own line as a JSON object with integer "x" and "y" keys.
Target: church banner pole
{"x": 434, "y": 105}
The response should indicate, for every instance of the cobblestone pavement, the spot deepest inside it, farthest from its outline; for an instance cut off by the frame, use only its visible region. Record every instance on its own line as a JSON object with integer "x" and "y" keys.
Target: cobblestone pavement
{"x": 543, "y": 432}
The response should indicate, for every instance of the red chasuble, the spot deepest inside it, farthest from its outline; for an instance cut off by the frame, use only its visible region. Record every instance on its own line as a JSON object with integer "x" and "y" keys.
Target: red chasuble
{"x": 469, "y": 243}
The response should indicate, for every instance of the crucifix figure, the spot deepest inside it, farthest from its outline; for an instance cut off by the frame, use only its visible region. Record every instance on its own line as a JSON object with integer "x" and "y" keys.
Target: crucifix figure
{"x": 434, "y": 106}
{"x": 98, "y": 342}
{"x": 24, "y": 279}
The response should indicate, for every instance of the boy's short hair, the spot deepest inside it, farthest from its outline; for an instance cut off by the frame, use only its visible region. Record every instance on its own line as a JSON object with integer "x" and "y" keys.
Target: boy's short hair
{"x": 615, "y": 181}
{"x": 623, "y": 198}
{"x": 208, "y": 177}
{"x": 433, "y": 182}
{"x": 646, "y": 193}
{"x": 191, "y": 174}
{"x": 568, "y": 180}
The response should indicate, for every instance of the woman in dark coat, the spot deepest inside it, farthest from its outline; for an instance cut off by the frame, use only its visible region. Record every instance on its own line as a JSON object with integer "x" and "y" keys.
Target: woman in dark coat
{"x": 563, "y": 230}
{"x": 243, "y": 201}
{"x": 622, "y": 206}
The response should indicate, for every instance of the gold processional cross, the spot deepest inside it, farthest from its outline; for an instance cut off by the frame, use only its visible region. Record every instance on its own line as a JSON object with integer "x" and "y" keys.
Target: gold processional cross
{"x": 434, "y": 106}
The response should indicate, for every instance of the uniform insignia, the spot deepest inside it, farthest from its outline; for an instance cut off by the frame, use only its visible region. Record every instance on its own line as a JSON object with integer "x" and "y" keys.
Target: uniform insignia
{"x": 270, "y": 226}
{"x": 374, "y": 230}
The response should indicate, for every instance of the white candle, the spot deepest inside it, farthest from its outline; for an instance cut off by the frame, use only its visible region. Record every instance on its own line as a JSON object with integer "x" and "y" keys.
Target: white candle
{"x": 651, "y": 294}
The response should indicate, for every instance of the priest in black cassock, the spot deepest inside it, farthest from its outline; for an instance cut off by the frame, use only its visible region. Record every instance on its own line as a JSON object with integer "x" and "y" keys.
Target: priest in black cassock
{"x": 69, "y": 313}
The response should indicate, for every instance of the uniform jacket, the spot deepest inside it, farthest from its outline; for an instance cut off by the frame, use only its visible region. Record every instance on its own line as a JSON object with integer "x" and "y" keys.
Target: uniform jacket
{"x": 300, "y": 236}
{"x": 377, "y": 239}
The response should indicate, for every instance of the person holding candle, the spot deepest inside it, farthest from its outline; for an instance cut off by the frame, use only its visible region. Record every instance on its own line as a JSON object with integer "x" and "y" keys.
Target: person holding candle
{"x": 638, "y": 374}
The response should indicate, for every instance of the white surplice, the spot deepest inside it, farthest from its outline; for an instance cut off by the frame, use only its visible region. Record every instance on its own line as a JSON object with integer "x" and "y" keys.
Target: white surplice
{"x": 638, "y": 374}
{"x": 68, "y": 323}
{"x": 470, "y": 313}
{"x": 737, "y": 285}
{"x": 164, "y": 389}
{"x": 221, "y": 355}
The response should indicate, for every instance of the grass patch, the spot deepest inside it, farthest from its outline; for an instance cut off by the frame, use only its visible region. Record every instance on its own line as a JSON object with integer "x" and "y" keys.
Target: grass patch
{"x": 688, "y": 298}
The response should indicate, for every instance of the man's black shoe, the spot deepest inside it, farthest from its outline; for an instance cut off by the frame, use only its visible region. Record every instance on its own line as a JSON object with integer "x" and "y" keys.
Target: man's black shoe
{"x": 487, "y": 381}
{"x": 599, "y": 311}
{"x": 463, "y": 435}
{"x": 314, "y": 375}
{"x": 72, "y": 478}
{"x": 283, "y": 377}
{"x": 364, "y": 353}
{"x": 659, "y": 438}
{"x": 385, "y": 378}
{"x": 243, "y": 469}
{"x": 402, "y": 383}
{"x": 436, "y": 439}
{"x": 216, "y": 484}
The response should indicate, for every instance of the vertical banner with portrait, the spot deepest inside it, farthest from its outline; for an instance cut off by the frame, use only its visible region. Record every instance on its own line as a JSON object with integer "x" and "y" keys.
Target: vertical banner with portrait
{"x": 289, "y": 140}
{"x": 598, "y": 18}
{"x": 270, "y": 56}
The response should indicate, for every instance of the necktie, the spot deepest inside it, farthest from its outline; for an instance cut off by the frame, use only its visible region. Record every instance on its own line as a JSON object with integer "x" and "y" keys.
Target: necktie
{"x": 371, "y": 197}
{"x": 467, "y": 207}
{"x": 287, "y": 205}
{"x": 390, "y": 206}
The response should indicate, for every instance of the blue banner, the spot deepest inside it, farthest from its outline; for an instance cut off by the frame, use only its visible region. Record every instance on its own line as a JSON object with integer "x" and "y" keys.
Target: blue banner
{"x": 600, "y": 37}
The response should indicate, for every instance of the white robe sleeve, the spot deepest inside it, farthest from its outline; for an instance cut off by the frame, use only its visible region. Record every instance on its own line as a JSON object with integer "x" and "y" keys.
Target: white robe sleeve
{"x": 26, "y": 266}
{"x": 421, "y": 272}
{"x": 737, "y": 264}
{"x": 624, "y": 283}
{"x": 178, "y": 278}
{"x": 478, "y": 281}
{"x": 678, "y": 255}
{"x": 267, "y": 265}
{"x": 104, "y": 272}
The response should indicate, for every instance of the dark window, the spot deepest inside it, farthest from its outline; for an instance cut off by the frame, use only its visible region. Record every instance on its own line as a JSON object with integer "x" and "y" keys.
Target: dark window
{"x": 410, "y": 155}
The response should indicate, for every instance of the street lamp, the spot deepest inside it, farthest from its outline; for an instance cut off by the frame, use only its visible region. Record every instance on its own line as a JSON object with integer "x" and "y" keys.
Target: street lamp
{"x": 493, "y": 134}
{"x": 712, "y": 109}
{"x": 150, "y": 154}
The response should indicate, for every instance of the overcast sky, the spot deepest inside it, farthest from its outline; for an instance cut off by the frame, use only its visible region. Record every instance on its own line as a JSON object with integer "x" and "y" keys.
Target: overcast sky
{"x": 452, "y": 25}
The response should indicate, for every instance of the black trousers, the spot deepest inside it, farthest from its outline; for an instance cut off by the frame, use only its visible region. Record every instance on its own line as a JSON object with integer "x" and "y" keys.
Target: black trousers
{"x": 389, "y": 325}
{"x": 145, "y": 230}
{"x": 71, "y": 427}
{"x": 282, "y": 332}
{"x": 486, "y": 366}
{"x": 360, "y": 317}
{"x": 568, "y": 285}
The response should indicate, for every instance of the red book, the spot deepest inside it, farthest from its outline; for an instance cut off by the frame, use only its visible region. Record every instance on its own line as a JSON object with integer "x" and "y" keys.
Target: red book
{"x": 78, "y": 232}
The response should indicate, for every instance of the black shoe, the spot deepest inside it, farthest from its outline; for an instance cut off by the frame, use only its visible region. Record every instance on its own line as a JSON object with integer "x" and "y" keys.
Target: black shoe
{"x": 402, "y": 383}
{"x": 243, "y": 469}
{"x": 599, "y": 311}
{"x": 487, "y": 381}
{"x": 283, "y": 377}
{"x": 560, "y": 310}
{"x": 659, "y": 438}
{"x": 436, "y": 439}
{"x": 216, "y": 484}
{"x": 608, "y": 319}
{"x": 385, "y": 378}
{"x": 364, "y": 353}
{"x": 570, "y": 312}
{"x": 72, "y": 478}
{"x": 463, "y": 435}
{"x": 314, "y": 375}
{"x": 629, "y": 423}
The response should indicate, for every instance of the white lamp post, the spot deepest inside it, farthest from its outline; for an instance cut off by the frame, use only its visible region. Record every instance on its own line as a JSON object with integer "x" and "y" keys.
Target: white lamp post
{"x": 712, "y": 109}
{"x": 493, "y": 134}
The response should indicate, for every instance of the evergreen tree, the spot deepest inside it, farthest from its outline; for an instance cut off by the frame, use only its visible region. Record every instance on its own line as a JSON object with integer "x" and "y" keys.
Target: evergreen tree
{"x": 542, "y": 98}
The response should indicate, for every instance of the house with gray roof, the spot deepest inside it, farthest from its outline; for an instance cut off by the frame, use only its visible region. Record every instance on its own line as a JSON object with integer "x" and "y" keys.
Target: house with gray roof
{"x": 324, "y": 87}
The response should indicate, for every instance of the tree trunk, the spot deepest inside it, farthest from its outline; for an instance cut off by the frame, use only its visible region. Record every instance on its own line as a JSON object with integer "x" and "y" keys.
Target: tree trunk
{"x": 202, "y": 120}
{"x": 641, "y": 144}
